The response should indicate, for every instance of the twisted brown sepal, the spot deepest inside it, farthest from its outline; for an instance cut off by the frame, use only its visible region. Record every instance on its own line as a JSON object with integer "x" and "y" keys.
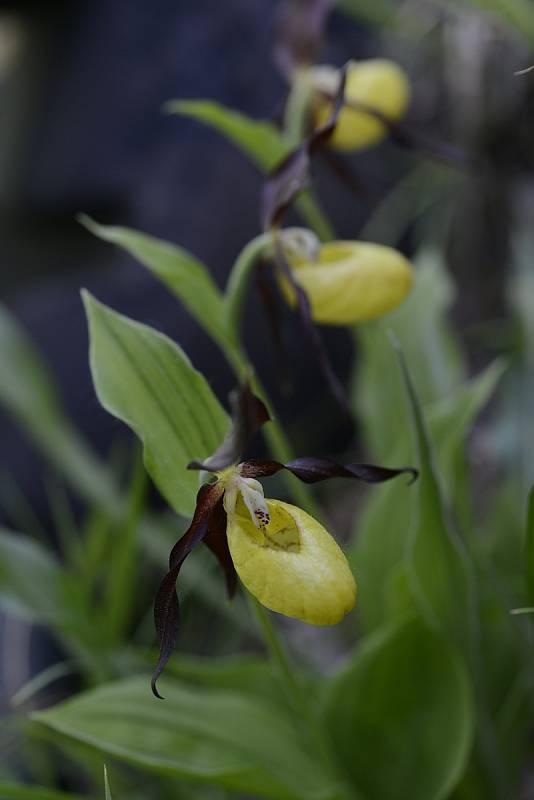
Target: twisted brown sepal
{"x": 283, "y": 185}
{"x": 311, "y": 331}
{"x": 292, "y": 175}
{"x": 406, "y": 136}
{"x": 313, "y": 470}
{"x": 299, "y": 33}
{"x": 166, "y": 606}
{"x": 248, "y": 415}
{"x": 270, "y": 298}
{"x": 217, "y": 542}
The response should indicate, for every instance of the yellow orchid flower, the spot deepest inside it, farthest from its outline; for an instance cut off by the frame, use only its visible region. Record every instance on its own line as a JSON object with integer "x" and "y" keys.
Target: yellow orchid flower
{"x": 283, "y": 556}
{"x": 377, "y": 84}
{"x": 291, "y": 565}
{"x": 346, "y": 281}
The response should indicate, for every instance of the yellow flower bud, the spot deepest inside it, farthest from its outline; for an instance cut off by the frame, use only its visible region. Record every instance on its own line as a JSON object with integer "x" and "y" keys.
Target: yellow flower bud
{"x": 377, "y": 83}
{"x": 292, "y": 565}
{"x": 350, "y": 282}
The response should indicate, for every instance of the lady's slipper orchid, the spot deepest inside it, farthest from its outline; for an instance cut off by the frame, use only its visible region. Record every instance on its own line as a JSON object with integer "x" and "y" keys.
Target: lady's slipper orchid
{"x": 374, "y": 89}
{"x": 348, "y": 282}
{"x": 284, "y": 557}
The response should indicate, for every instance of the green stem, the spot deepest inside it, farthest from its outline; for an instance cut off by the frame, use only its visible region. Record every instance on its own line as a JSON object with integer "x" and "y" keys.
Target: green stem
{"x": 309, "y": 208}
{"x": 279, "y": 657}
{"x": 297, "y": 108}
{"x": 235, "y": 296}
{"x": 295, "y": 129}
{"x": 298, "y": 699}
{"x": 239, "y": 280}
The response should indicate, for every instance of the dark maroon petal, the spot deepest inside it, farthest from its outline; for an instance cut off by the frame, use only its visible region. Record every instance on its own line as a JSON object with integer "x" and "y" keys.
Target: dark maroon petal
{"x": 344, "y": 170}
{"x": 311, "y": 331}
{"x": 284, "y": 184}
{"x": 259, "y": 468}
{"x": 166, "y": 606}
{"x": 248, "y": 415}
{"x": 299, "y": 33}
{"x": 313, "y": 470}
{"x": 280, "y": 190}
{"x": 270, "y": 301}
{"x": 217, "y": 542}
{"x": 292, "y": 175}
{"x": 406, "y": 136}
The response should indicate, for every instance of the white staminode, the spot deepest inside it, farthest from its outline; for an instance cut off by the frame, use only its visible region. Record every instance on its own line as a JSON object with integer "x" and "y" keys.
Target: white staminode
{"x": 300, "y": 243}
{"x": 253, "y": 497}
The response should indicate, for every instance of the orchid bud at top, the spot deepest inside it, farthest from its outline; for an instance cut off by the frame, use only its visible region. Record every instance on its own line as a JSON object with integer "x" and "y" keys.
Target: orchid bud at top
{"x": 348, "y": 281}
{"x": 377, "y": 84}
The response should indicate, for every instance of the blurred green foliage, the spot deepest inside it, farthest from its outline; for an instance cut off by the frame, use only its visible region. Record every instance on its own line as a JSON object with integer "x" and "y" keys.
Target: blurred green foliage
{"x": 433, "y": 695}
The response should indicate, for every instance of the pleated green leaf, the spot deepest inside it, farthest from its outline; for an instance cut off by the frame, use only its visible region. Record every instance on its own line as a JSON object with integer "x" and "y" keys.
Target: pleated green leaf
{"x": 529, "y": 547}
{"x": 30, "y": 579}
{"x": 180, "y": 271}
{"x": 29, "y": 393}
{"x": 385, "y": 525}
{"x": 146, "y": 380}
{"x": 17, "y": 791}
{"x": 438, "y": 565}
{"x": 428, "y": 340}
{"x": 259, "y": 139}
{"x": 400, "y": 715}
{"x": 225, "y": 738}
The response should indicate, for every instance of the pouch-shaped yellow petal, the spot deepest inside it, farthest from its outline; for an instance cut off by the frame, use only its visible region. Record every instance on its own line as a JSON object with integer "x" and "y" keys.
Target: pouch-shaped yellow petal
{"x": 377, "y": 83}
{"x": 293, "y": 565}
{"x": 351, "y": 281}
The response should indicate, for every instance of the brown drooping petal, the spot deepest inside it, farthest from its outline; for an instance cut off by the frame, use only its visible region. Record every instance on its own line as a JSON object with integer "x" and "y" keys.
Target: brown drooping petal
{"x": 292, "y": 175}
{"x": 313, "y": 470}
{"x": 166, "y": 606}
{"x": 269, "y": 298}
{"x": 406, "y": 136}
{"x": 248, "y": 415}
{"x": 280, "y": 190}
{"x": 217, "y": 542}
{"x": 311, "y": 331}
{"x": 299, "y": 33}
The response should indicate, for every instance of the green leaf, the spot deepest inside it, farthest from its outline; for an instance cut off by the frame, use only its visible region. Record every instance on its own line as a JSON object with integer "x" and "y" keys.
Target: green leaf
{"x": 26, "y": 386}
{"x": 28, "y": 392}
{"x": 107, "y": 788}
{"x": 16, "y": 791}
{"x": 30, "y": 578}
{"x": 529, "y": 546}
{"x": 450, "y": 421}
{"x": 384, "y": 527}
{"x": 261, "y": 141}
{"x": 183, "y": 274}
{"x": 421, "y": 325}
{"x": 250, "y": 674}
{"x": 220, "y": 737}
{"x": 400, "y": 715}
{"x": 146, "y": 380}
{"x": 440, "y": 572}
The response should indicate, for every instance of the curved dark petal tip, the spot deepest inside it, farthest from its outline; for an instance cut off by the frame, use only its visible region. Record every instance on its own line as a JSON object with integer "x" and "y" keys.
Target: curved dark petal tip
{"x": 249, "y": 413}
{"x": 414, "y": 474}
{"x": 154, "y": 688}
{"x": 197, "y": 465}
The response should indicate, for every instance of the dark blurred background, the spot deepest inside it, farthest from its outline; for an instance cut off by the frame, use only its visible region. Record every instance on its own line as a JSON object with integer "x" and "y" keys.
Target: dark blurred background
{"x": 82, "y": 129}
{"x": 82, "y": 86}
